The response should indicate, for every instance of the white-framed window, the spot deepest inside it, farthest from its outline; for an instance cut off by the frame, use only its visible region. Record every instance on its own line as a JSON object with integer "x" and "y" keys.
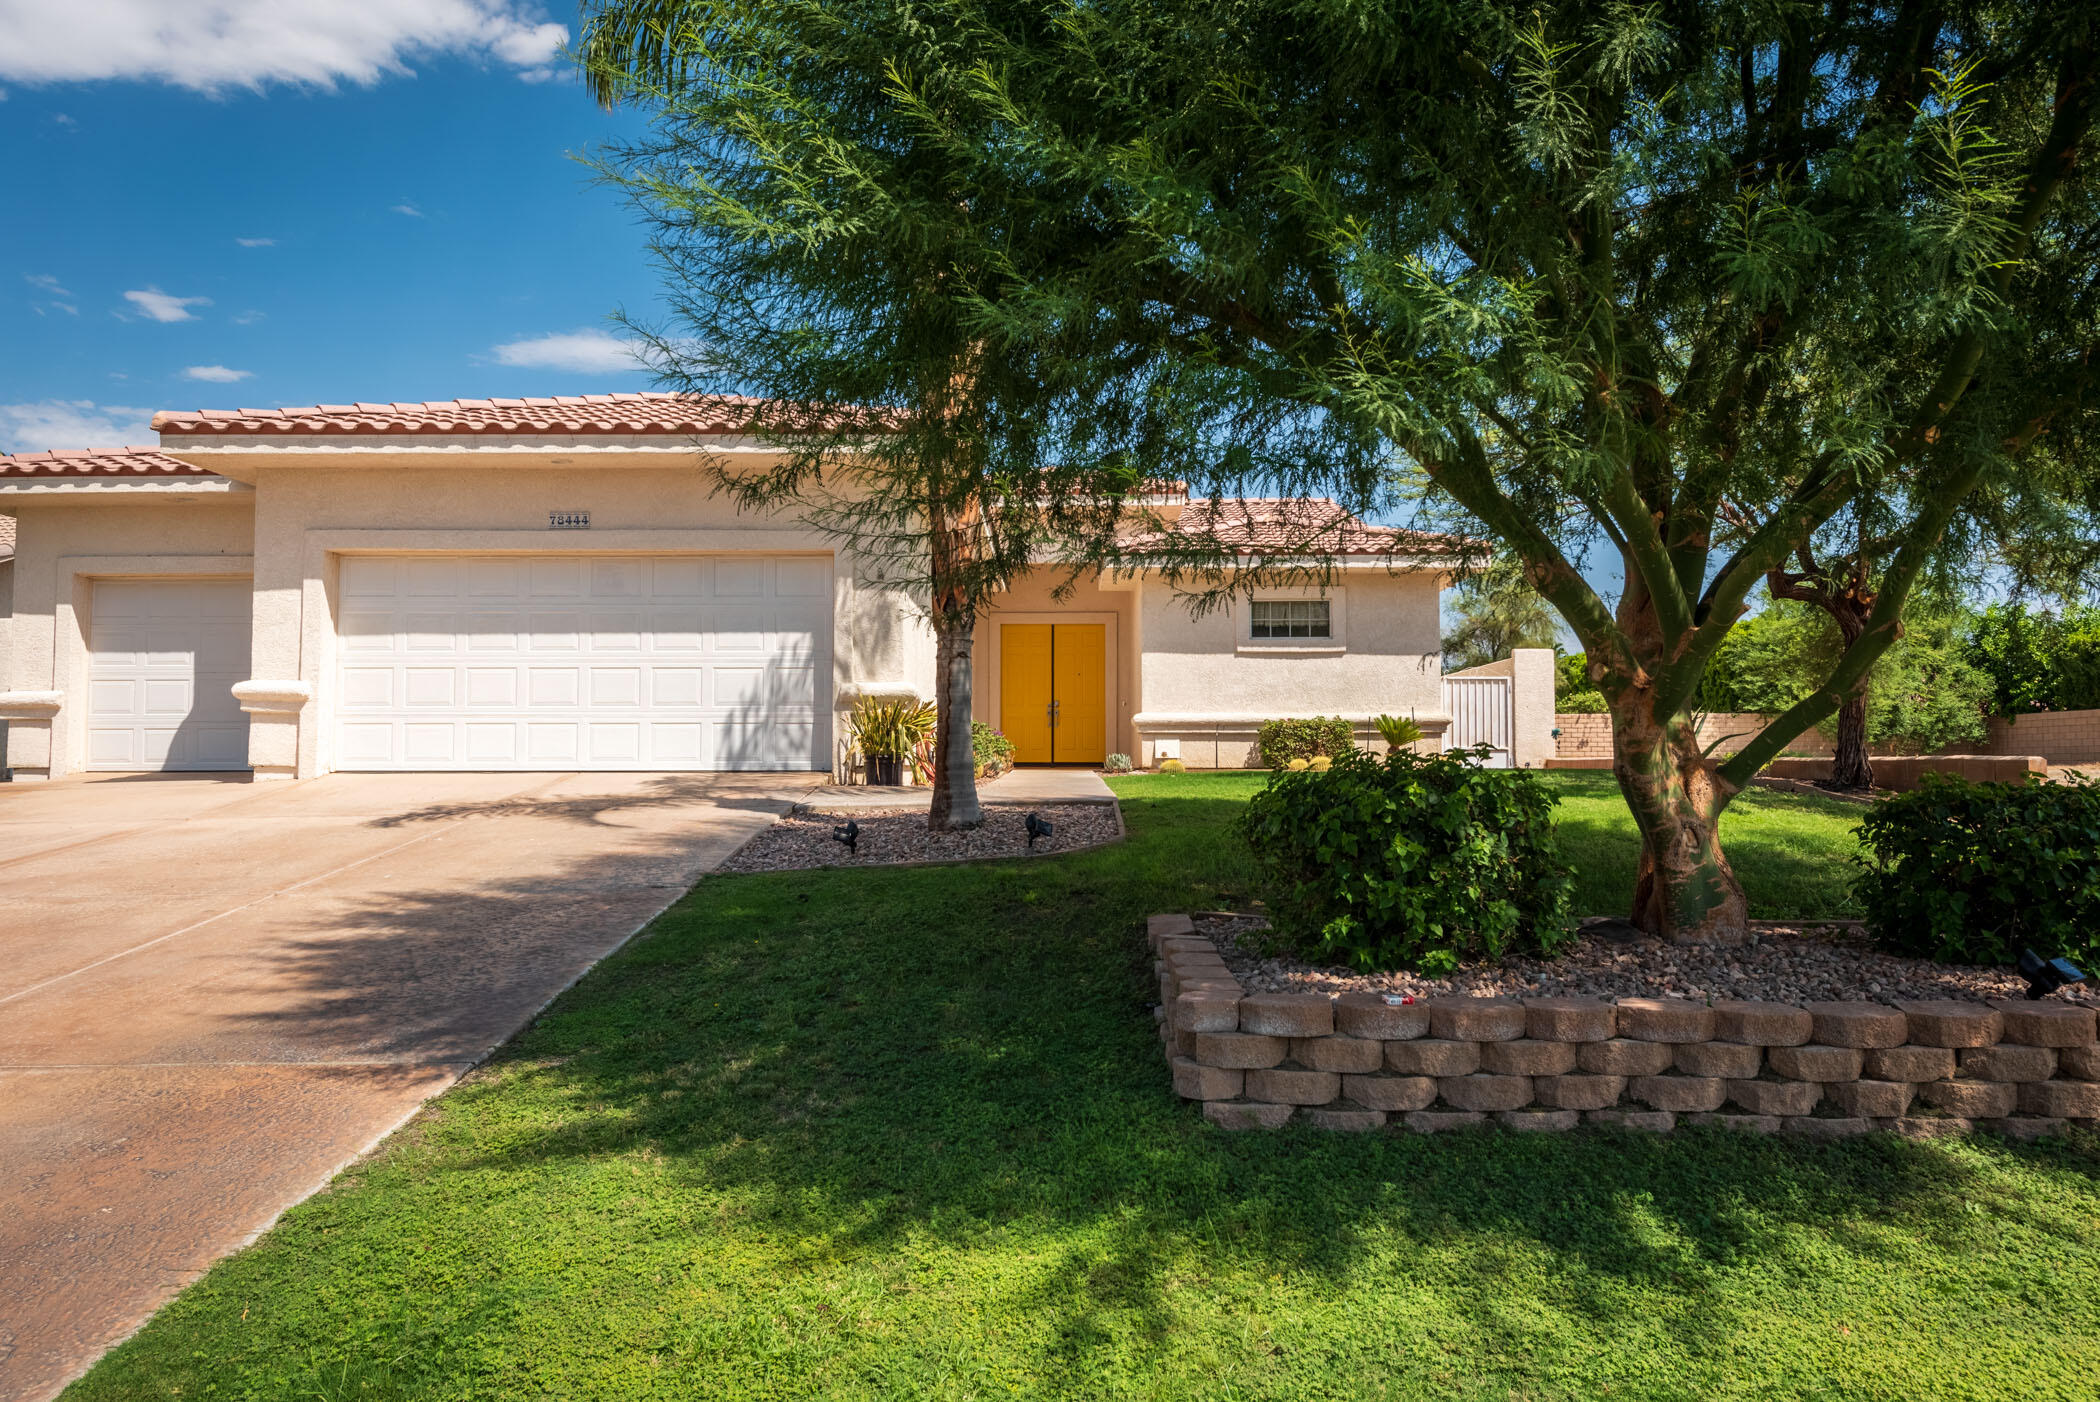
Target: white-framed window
{"x": 1281, "y": 619}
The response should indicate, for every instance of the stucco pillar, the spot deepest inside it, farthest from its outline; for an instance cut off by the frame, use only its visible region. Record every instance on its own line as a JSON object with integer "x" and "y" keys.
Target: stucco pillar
{"x": 1531, "y": 700}
{"x": 273, "y": 725}
{"x": 29, "y": 716}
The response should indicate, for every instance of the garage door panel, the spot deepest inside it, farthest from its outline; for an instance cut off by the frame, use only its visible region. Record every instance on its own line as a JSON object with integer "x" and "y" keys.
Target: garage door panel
{"x": 163, "y": 656}
{"x": 596, "y": 662}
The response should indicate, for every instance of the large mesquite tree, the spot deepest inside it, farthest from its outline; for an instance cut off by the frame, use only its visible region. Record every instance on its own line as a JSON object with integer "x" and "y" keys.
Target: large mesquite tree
{"x": 1679, "y": 281}
{"x": 834, "y": 261}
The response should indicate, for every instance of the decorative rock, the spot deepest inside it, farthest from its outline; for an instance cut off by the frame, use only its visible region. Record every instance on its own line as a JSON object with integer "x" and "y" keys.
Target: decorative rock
{"x": 1159, "y": 927}
{"x": 1206, "y": 1012}
{"x": 1973, "y": 1100}
{"x": 1679, "y": 1093}
{"x": 1431, "y": 1057}
{"x": 1623, "y": 1057}
{"x": 1437, "y": 1121}
{"x": 1949, "y": 1023}
{"x": 1817, "y": 1063}
{"x": 1525, "y": 1057}
{"x": 1733, "y": 1061}
{"x": 2079, "y": 1063}
{"x": 1909, "y": 1064}
{"x": 1569, "y": 1019}
{"x": 1665, "y": 1020}
{"x": 1238, "y": 1049}
{"x": 2025, "y": 1127}
{"x": 1876, "y": 1100}
{"x": 1345, "y": 1120}
{"x": 1195, "y": 1081}
{"x": 1277, "y": 1087}
{"x": 1392, "y": 1093}
{"x": 1782, "y": 1098}
{"x": 1647, "y": 1121}
{"x": 2056, "y": 1100}
{"x": 1749, "y": 1124}
{"x": 1369, "y": 1015}
{"x": 1928, "y": 1126}
{"x": 1242, "y": 1114}
{"x": 1578, "y": 1092}
{"x": 1485, "y": 1092}
{"x": 1287, "y": 1014}
{"x": 2044, "y": 1022}
{"x": 1858, "y": 1025}
{"x": 2008, "y": 1062}
{"x": 1816, "y": 1127}
{"x": 1539, "y": 1119}
{"x": 1184, "y": 1043}
{"x": 1353, "y": 1054}
{"x": 1760, "y": 1024}
{"x": 1476, "y": 1019}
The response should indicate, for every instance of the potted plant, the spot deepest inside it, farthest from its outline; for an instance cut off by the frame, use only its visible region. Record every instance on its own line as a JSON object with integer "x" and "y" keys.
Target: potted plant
{"x": 887, "y": 732}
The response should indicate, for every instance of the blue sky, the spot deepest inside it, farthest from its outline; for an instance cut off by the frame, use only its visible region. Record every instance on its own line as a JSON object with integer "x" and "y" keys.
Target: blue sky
{"x": 199, "y": 220}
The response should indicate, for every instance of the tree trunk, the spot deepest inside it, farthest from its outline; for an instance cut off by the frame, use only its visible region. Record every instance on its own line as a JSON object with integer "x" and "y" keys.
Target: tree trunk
{"x": 1685, "y": 891}
{"x": 954, "y": 807}
{"x": 1852, "y": 768}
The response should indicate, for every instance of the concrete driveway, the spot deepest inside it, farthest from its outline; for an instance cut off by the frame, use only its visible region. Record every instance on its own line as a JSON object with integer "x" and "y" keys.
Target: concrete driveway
{"x": 215, "y": 994}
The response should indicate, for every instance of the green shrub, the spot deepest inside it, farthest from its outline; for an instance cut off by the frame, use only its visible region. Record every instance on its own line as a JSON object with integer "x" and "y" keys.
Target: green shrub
{"x": 2037, "y": 661}
{"x": 992, "y": 751}
{"x": 1974, "y": 873}
{"x": 1282, "y": 741}
{"x": 1409, "y": 861}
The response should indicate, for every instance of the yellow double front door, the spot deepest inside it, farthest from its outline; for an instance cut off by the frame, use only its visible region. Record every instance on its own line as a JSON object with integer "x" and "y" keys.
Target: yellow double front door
{"x": 1053, "y": 691}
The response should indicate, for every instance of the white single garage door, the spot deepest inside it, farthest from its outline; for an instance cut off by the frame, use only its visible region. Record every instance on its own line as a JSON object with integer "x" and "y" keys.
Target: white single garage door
{"x": 163, "y": 655}
{"x": 584, "y": 662}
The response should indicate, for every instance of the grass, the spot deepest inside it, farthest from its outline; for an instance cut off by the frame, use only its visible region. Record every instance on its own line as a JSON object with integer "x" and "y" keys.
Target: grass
{"x": 907, "y": 1134}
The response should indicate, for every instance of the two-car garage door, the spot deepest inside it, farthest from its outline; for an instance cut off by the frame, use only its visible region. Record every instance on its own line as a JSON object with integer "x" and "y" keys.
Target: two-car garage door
{"x": 583, "y": 662}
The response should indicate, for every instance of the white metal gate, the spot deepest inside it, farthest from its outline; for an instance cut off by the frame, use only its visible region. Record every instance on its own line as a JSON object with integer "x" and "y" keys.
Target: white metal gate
{"x": 1482, "y": 713}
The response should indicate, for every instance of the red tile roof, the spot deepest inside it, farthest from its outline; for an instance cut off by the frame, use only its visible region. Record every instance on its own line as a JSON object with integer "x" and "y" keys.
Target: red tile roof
{"x": 646, "y": 412}
{"x": 98, "y": 462}
{"x": 1296, "y": 526}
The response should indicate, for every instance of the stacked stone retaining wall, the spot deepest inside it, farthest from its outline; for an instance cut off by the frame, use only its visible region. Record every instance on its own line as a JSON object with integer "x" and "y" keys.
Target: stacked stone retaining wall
{"x": 1361, "y": 1061}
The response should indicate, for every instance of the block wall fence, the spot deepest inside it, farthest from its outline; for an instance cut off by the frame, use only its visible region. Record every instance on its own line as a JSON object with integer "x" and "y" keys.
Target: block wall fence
{"x": 1358, "y": 1062}
{"x": 2056, "y": 737}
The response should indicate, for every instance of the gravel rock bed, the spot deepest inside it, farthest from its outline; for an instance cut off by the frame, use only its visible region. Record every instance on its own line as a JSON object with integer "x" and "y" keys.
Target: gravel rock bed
{"x": 1783, "y": 963}
{"x": 892, "y": 835}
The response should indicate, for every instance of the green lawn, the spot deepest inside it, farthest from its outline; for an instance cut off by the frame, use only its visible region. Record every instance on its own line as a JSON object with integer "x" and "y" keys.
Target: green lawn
{"x": 907, "y": 1134}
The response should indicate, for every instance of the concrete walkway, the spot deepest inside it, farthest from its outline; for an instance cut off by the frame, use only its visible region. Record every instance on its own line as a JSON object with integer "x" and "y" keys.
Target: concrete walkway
{"x": 1031, "y": 785}
{"x": 213, "y": 995}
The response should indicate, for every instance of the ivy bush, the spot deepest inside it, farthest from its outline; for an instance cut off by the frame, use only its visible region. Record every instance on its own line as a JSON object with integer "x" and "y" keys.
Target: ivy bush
{"x": 1974, "y": 873}
{"x": 1281, "y": 741}
{"x": 1409, "y": 861}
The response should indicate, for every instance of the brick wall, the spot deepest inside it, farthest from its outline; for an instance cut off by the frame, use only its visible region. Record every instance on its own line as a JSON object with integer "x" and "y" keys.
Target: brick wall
{"x": 2059, "y": 737}
{"x": 1588, "y": 736}
{"x": 1358, "y": 1062}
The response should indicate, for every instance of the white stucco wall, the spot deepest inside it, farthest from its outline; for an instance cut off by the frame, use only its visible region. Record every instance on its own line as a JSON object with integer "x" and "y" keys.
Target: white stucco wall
{"x": 1206, "y": 684}
{"x": 65, "y": 543}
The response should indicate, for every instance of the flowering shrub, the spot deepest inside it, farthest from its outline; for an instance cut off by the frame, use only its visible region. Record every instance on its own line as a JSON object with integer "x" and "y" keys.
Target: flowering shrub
{"x": 991, "y": 749}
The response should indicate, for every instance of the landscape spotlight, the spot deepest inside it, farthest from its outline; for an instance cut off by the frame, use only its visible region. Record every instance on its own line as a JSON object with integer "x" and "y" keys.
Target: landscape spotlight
{"x": 847, "y": 832}
{"x": 2045, "y": 976}
{"x": 1037, "y": 827}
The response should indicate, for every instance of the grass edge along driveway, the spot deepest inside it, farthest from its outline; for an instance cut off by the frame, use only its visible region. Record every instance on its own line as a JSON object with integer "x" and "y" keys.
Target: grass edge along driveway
{"x": 907, "y": 1134}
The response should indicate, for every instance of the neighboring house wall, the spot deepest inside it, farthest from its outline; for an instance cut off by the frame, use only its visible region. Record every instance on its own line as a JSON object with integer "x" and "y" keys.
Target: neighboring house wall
{"x": 1206, "y": 684}
{"x": 63, "y": 546}
{"x": 7, "y": 609}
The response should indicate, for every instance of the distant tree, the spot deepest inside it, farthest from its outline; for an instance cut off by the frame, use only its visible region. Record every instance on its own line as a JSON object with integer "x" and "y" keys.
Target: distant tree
{"x": 1573, "y": 691}
{"x": 1497, "y": 612}
{"x": 2036, "y": 660}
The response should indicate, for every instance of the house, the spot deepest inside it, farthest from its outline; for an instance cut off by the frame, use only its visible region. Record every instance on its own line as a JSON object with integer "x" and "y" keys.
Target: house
{"x": 545, "y": 584}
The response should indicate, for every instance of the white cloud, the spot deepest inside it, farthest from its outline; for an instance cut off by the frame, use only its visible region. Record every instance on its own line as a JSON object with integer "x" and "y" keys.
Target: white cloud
{"x": 248, "y": 318}
{"x": 580, "y": 352}
{"x": 45, "y": 282}
{"x": 212, "y": 45}
{"x": 216, "y": 374}
{"x": 410, "y": 210}
{"x": 162, "y": 306}
{"x": 256, "y": 243}
{"x": 63, "y": 120}
{"x": 71, "y": 423}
